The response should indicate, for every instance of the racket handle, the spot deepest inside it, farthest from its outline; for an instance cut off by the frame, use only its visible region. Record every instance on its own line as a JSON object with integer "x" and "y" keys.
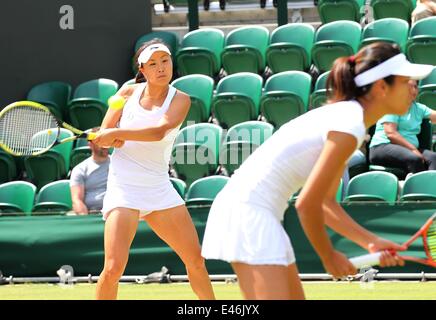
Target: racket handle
{"x": 367, "y": 260}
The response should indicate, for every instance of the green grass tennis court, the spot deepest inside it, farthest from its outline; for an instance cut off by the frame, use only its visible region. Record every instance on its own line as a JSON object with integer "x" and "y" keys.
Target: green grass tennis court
{"x": 386, "y": 290}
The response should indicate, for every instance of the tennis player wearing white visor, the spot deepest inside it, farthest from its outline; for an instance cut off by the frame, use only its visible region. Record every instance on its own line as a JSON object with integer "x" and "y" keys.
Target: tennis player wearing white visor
{"x": 311, "y": 151}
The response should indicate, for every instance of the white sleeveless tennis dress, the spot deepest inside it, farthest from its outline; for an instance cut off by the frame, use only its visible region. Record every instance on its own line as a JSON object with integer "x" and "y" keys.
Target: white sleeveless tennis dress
{"x": 138, "y": 173}
{"x": 244, "y": 223}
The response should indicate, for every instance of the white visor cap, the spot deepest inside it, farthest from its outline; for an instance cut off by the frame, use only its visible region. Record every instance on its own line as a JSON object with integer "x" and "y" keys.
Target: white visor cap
{"x": 395, "y": 66}
{"x": 148, "y": 52}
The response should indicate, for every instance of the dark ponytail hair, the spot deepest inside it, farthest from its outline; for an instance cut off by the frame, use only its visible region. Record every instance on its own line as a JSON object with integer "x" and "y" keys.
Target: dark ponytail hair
{"x": 340, "y": 82}
{"x": 139, "y": 76}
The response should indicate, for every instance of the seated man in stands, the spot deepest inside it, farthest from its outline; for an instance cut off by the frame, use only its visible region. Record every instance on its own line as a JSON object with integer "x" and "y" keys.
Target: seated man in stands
{"x": 424, "y": 9}
{"x": 88, "y": 181}
{"x": 395, "y": 141}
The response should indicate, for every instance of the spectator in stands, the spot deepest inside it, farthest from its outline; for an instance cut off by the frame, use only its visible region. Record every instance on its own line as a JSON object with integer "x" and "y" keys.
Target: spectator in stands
{"x": 311, "y": 151}
{"x": 88, "y": 180}
{"x": 423, "y": 9}
{"x": 139, "y": 187}
{"x": 395, "y": 141}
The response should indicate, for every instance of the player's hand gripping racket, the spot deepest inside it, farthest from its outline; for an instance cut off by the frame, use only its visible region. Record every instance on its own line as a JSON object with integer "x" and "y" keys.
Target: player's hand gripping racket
{"x": 28, "y": 128}
{"x": 428, "y": 234}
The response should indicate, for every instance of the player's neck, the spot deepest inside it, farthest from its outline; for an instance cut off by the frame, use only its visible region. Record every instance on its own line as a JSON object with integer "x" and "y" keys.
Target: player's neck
{"x": 156, "y": 92}
{"x": 372, "y": 111}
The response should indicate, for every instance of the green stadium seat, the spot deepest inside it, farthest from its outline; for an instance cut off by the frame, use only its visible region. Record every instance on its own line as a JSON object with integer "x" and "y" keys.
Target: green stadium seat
{"x": 51, "y": 165}
{"x": 427, "y": 90}
{"x": 55, "y": 95}
{"x": 290, "y": 47}
{"x": 286, "y": 96}
{"x": 16, "y": 197}
{"x": 334, "y": 40}
{"x": 196, "y": 151}
{"x": 392, "y": 30}
{"x": 200, "y": 89}
{"x": 179, "y": 185}
{"x": 8, "y": 167}
{"x": 237, "y": 99}
{"x": 200, "y": 52}
{"x": 334, "y": 10}
{"x": 319, "y": 94}
{"x": 401, "y": 9}
{"x": 245, "y": 49}
{"x": 242, "y": 140}
{"x": 80, "y": 152}
{"x": 54, "y": 197}
{"x": 425, "y": 142}
{"x": 421, "y": 46}
{"x": 89, "y": 103}
{"x": 420, "y": 186}
{"x": 203, "y": 191}
{"x": 339, "y": 193}
{"x": 373, "y": 186}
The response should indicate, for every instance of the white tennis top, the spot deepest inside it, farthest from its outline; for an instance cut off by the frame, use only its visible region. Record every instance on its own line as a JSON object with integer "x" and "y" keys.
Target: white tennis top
{"x": 140, "y": 163}
{"x": 282, "y": 164}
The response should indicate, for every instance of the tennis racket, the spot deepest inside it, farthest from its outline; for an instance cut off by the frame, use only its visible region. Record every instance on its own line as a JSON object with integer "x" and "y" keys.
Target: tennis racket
{"x": 428, "y": 234}
{"x": 28, "y": 128}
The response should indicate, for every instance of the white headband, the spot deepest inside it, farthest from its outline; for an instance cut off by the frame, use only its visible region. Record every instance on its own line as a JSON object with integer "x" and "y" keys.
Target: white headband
{"x": 148, "y": 52}
{"x": 398, "y": 66}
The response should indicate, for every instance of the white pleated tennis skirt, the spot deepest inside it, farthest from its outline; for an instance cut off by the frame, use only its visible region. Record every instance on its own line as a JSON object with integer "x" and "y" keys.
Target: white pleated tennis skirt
{"x": 146, "y": 199}
{"x": 241, "y": 232}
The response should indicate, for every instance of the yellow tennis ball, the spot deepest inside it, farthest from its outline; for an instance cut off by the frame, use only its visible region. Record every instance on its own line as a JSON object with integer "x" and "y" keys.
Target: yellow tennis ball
{"x": 116, "y": 102}
{"x": 49, "y": 132}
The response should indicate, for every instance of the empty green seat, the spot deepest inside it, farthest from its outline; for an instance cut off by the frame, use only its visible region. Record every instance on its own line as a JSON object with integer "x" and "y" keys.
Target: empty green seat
{"x": 55, "y": 95}
{"x": 392, "y": 30}
{"x": 290, "y": 47}
{"x": 196, "y": 151}
{"x": 80, "y": 152}
{"x": 421, "y": 46}
{"x": 319, "y": 94}
{"x": 401, "y": 9}
{"x": 427, "y": 90}
{"x": 89, "y": 104}
{"x": 51, "y": 165}
{"x": 339, "y": 193}
{"x": 179, "y": 185}
{"x": 237, "y": 99}
{"x": 8, "y": 167}
{"x": 286, "y": 96}
{"x": 245, "y": 49}
{"x": 242, "y": 140}
{"x": 373, "y": 186}
{"x": 420, "y": 186}
{"x": 54, "y": 197}
{"x": 200, "y": 89}
{"x": 333, "y": 40}
{"x": 200, "y": 52}
{"x": 334, "y": 10}
{"x": 16, "y": 197}
{"x": 203, "y": 191}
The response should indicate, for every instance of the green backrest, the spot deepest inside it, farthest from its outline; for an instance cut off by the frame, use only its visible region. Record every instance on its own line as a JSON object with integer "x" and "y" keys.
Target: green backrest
{"x": 65, "y": 148}
{"x": 430, "y": 80}
{"x": 255, "y": 36}
{"x": 245, "y": 83}
{"x": 333, "y": 10}
{"x": 179, "y": 185}
{"x": 401, "y": 9}
{"x": 99, "y": 89}
{"x": 206, "y": 134}
{"x": 424, "y": 27}
{"x": 19, "y": 193}
{"x": 346, "y": 31}
{"x": 54, "y": 93}
{"x": 375, "y": 183}
{"x": 197, "y": 86}
{"x": 291, "y": 81}
{"x": 393, "y": 29}
{"x": 212, "y": 39}
{"x": 297, "y": 33}
{"x": 169, "y": 38}
{"x": 57, "y": 191}
{"x": 8, "y": 167}
{"x": 421, "y": 183}
{"x": 321, "y": 82}
{"x": 206, "y": 188}
{"x": 255, "y": 132}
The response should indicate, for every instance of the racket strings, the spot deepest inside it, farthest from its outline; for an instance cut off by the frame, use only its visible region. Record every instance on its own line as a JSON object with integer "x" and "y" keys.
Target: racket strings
{"x": 25, "y": 130}
{"x": 431, "y": 240}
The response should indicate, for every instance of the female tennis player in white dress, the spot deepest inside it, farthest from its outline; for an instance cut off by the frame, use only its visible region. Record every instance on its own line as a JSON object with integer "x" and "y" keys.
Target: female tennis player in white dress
{"x": 311, "y": 151}
{"x": 138, "y": 182}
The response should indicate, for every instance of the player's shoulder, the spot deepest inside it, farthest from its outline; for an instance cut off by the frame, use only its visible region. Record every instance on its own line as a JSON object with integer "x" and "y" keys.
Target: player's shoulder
{"x": 128, "y": 89}
{"x": 182, "y": 97}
